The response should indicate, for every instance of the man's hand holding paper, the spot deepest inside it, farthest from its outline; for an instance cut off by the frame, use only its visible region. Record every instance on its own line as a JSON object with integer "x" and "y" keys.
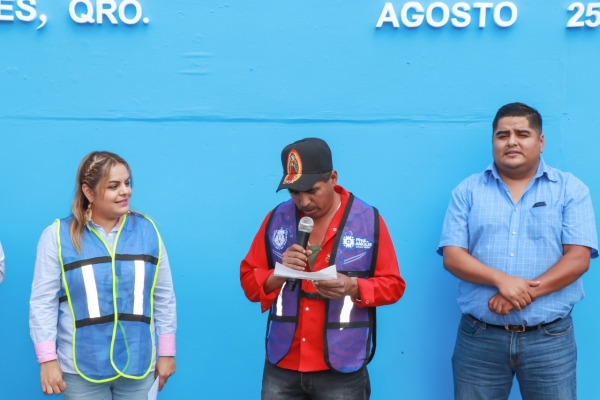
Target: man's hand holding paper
{"x": 338, "y": 288}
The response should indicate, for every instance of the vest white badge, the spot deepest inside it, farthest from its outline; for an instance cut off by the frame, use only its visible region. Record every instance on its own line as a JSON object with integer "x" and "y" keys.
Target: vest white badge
{"x": 348, "y": 241}
{"x": 351, "y": 242}
{"x": 280, "y": 237}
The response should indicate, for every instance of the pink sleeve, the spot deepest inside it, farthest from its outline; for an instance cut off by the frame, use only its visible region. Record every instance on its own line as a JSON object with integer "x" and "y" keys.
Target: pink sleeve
{"x": 45, "y": 351}
{"x": 166, "y": 345}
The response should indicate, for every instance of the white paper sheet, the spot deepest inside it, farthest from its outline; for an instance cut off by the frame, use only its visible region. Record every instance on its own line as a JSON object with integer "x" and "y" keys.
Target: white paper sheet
{"x": 322, "y": 275}
{"x": 153, "y": 393}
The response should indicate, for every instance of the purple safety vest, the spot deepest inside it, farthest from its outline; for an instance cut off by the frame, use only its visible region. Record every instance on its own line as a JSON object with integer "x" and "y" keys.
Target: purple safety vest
{"x": 349, "y": 333}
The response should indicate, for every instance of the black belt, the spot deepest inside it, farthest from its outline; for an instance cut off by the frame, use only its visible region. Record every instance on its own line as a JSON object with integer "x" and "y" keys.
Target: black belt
{"x": 517, "y": 328}
{"x": 311, "y": 295}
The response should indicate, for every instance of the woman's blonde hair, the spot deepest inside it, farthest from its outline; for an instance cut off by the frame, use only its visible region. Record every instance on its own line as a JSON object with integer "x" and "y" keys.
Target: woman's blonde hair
{"x": 94, "y": 171}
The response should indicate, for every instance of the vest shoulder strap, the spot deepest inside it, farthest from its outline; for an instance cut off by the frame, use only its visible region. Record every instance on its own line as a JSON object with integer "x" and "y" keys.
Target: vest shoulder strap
{"x": 267, "y": 237}
{"x": 270, "y": 263}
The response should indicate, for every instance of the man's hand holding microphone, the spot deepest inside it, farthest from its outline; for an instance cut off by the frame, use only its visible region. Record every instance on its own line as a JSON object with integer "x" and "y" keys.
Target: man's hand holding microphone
{"x": 295, "y": 257}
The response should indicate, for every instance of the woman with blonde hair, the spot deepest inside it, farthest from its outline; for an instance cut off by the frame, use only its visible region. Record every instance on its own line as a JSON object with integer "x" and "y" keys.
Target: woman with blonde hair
{"x": 102, "y": 291}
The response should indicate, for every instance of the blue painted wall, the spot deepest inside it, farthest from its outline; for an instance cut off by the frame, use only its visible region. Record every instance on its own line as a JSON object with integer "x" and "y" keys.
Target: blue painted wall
{"x": 201, "y": 100}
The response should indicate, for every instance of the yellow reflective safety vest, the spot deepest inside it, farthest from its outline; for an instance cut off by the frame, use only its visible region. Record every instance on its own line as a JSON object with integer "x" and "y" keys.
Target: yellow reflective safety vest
{"x": 110, "y": 292}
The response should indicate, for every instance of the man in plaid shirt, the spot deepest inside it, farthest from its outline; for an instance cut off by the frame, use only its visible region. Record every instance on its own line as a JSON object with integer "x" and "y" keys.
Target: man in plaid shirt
{"x": 519, "y": 236}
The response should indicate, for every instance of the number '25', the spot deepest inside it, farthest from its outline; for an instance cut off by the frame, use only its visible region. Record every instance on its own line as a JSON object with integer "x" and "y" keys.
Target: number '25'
{"x": 592, "y": 12}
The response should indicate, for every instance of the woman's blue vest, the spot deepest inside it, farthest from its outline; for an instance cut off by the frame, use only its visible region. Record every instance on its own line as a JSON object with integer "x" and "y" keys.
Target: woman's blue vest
{"x": 110, "y": 294}
{"x": 349, "y": 333}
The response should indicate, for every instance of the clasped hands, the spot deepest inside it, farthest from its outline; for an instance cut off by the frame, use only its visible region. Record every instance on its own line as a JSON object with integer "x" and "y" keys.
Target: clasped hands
{"x": 295, "y": 257}
{"x": 513, "y": 293}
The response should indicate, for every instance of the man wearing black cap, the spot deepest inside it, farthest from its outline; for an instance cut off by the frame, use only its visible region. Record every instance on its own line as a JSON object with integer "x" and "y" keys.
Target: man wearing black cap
{"x": 321, "y": 334}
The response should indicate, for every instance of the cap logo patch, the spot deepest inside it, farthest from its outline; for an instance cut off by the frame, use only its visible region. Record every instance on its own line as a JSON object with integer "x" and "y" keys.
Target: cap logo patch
{"x": 294, "y": 167}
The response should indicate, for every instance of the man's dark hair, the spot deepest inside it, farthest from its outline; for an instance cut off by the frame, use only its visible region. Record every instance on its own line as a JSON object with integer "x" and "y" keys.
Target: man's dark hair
{"x": 325, "y": 177}
{"x": 519, "y": 110}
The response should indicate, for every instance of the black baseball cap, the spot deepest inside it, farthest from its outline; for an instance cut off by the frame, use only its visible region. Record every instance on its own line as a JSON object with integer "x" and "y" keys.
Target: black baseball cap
{"x": 303, "y": 164}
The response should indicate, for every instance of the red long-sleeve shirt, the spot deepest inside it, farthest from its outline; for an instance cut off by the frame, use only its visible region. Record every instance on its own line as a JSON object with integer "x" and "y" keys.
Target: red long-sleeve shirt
{"x": 306, "y": 352}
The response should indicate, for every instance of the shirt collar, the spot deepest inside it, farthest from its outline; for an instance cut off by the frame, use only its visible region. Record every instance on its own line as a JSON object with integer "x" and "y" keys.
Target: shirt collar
{"x": 91, "y": 224}
{"x": 345, "y": 194}
{"x": 543, "y": 170}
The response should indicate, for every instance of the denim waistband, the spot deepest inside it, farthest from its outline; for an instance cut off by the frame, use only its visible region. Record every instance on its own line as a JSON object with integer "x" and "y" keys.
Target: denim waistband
{"x": 518, "y": 328}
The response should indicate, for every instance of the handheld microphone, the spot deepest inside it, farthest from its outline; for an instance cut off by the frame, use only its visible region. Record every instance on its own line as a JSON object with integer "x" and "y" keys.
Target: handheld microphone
{"x": 305, "y": 227}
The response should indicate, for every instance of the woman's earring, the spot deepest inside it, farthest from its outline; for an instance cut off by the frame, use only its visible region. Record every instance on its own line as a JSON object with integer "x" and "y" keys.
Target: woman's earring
{"x": 88, "y": 214}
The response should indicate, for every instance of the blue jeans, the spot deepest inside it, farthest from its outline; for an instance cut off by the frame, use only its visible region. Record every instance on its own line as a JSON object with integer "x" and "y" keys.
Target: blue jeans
{"x": 120, "y": 389}
{"x": 486, "y": 359}
{"x": 279, "y": 383}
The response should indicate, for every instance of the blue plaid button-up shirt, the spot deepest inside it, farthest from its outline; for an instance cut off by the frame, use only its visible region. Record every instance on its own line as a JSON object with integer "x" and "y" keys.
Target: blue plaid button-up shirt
{"x": 523, "y": 239}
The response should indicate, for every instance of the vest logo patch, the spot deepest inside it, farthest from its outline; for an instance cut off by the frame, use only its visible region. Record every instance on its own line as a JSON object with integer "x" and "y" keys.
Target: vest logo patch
{"x": 280, "y": 237}
{"x": 294, "y": 167}
{"x": 351, "y": 242}
{"x": 348, "y": 241}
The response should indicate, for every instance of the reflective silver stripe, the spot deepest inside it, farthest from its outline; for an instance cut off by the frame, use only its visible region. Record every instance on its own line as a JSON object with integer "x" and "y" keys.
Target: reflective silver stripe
{"x": 138, "y": 288}
{"x": 279, "y": 312}
{"x": 91, "y": 291}
{"x": 352, "y": 259}
{"x": 346, "y": 309}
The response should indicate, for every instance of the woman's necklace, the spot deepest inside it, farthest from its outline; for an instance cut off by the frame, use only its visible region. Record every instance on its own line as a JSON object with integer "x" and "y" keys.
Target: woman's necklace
{"x": 321, "y": 242}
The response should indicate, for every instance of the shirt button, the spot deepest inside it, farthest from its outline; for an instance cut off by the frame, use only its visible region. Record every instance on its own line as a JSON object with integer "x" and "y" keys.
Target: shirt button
{"x": 516, "y": 209}
{"x": 514, "y": 233}
{"x": 367, "y": 302}
{"x": 303, "y": 339}
{"x": 512, "y": 254}
{"x": 334, "y": 229}
{"x": 306, "y": 308}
